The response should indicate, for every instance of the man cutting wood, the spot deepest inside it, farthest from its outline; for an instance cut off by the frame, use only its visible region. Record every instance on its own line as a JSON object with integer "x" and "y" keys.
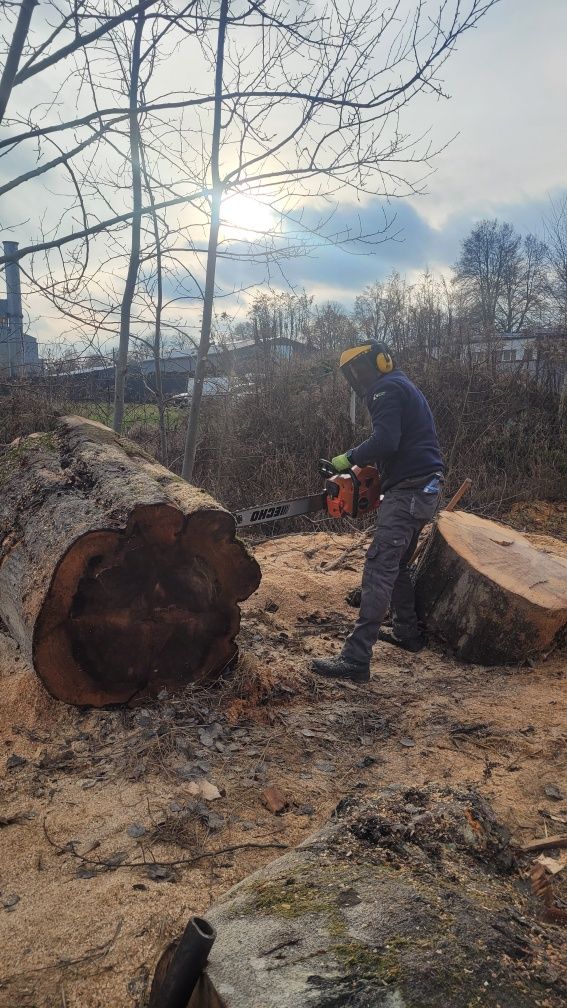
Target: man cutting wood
{"x": 405, "y": 447}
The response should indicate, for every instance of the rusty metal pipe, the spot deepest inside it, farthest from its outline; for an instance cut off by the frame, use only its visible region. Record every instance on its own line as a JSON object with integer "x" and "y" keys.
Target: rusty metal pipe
{"x": 182, "y": 964}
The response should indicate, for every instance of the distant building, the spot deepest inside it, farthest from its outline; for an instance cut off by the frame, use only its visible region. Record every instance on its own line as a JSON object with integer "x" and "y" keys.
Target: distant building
{"x": 18, "y": 350}
{"x": 249, "y": 357}
{"x": 178, "y": 372}
{"x": 540, "y": 353}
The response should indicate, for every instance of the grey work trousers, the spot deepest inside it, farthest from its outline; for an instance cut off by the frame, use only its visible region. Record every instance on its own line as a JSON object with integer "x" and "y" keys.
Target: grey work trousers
{"x": 386, "y": 580}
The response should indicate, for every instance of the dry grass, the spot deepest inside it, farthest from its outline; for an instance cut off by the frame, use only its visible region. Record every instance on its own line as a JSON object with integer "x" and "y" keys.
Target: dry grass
{"x": 504, "y": 431}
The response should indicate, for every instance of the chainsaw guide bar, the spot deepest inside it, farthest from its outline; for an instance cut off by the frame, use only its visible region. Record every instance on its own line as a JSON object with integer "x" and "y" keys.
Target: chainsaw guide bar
{"x": 352, "y": 493}
{"x": 283, "y": 509}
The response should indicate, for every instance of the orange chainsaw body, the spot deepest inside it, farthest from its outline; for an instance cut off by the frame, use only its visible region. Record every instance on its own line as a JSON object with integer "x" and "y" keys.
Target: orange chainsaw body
{"x": 349, "y": 497}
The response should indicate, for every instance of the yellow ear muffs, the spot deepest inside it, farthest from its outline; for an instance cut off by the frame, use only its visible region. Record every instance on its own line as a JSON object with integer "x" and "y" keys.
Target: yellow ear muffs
{"x": 384, "y": 363}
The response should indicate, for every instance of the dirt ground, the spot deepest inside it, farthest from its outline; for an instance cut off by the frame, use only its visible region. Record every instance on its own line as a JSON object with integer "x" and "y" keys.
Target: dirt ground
{"x": 117, "y": 825}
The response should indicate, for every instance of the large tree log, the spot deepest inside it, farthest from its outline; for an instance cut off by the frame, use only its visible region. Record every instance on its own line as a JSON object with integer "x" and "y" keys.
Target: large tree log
{"x": 407, "y": 900}
{"x": 117, "y": 577}
{"x": 488, "y": 592}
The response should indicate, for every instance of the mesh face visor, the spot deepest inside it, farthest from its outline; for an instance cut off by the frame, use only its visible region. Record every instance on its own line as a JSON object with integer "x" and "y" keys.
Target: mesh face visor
{"x": 361, "y": 371}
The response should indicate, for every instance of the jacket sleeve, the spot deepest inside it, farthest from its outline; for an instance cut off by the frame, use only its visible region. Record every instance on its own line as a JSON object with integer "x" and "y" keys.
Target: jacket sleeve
{"x": 386, "y": 413}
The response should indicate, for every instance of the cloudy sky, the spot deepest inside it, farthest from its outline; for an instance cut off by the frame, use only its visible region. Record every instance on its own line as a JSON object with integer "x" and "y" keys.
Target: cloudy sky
{"x": 506, "y": 156}
{"x": 508, "y": 117}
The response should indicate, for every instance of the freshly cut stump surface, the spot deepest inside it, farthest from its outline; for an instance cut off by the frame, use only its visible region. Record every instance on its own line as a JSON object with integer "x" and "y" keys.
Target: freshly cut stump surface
{"x": 486, "y": 590}
{"x": 117, "y": 577}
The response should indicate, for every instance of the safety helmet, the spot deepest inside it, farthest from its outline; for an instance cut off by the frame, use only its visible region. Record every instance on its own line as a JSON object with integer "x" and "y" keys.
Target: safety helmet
{"x": 362, "y": 365}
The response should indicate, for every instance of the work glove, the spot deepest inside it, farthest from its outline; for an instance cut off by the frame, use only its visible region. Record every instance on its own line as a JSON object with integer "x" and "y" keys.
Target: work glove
{"x": 341, "y": 463}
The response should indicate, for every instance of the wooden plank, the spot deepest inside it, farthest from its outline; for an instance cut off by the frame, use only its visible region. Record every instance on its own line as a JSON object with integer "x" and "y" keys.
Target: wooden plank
{"x": 545, "y": 843}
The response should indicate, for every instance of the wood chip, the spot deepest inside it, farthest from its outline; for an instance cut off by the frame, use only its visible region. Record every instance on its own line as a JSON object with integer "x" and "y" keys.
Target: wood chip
{"x": 274, "y": 800}
{"x": 203, "y": 788}
{"x": 209, "y": 791}
{"x": 552, "y": 865}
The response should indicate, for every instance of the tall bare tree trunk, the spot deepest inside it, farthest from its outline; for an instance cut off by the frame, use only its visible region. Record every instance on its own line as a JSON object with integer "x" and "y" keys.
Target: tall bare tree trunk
{"x": 157, "y": 353}
{"x": 216, "y": 197}
{"x": 159, "y": 306}
{"x": 15, "y": 52}
{"x": 134, "y": 261}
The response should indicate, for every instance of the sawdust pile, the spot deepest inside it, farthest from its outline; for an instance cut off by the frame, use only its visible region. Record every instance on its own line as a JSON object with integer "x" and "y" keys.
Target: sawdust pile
{"x": 116, "y": 825}
{"x": 546, "y": 517}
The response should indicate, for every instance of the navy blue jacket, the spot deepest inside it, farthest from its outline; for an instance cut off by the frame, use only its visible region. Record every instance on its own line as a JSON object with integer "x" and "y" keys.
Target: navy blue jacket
{"x": 404, "y": 441}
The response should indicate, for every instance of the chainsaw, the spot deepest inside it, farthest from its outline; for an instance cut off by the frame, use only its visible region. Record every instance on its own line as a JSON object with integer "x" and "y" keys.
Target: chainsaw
{"x": 350, "y": 494}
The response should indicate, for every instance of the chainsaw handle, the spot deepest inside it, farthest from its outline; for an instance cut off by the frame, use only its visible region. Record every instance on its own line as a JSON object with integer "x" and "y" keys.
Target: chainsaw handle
{"x": 356, "y": 492}
{"x": 326, "y": 468}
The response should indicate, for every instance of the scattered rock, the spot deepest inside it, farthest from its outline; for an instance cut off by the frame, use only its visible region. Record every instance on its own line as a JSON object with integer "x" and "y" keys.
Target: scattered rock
{"x": 213, "y": 820}
{"x": 204, "y": 789}
{"x": 161, "y": 873}
{"x": 136, "y": 830}
{"x": 143, "y": 717}
{"x": 116, "y": 859}
{"x": 193, "y": 771}
{"x": 14, "y": 761}
{"x": 86, "y": 872}
{"x": 552, "y": 791}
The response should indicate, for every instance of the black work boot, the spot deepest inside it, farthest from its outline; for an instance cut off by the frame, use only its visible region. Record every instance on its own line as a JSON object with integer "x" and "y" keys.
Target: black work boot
{"x": 340, "y": 668}
{"x": 413, "y": 644}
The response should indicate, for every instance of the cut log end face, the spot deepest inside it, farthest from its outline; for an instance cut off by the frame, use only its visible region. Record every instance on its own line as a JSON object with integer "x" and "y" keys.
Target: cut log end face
{"x": 131, "y": 611}
{"x": 487, "y": 591}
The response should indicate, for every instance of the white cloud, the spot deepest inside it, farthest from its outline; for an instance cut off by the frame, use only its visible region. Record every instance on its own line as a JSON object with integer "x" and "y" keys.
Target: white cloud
{"x": 509, "y": 94}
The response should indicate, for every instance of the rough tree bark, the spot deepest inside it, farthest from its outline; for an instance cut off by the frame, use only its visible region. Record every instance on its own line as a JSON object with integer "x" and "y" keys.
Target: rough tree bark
{"x": 487, "y": 591}
{"x": 212, "y": 251}
{"x": 121, "y": 367}
{"x": 117, "y": 578}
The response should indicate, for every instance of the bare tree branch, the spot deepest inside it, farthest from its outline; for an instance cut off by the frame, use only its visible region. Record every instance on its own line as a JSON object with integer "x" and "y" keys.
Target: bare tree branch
{"x": 9, "y": 73}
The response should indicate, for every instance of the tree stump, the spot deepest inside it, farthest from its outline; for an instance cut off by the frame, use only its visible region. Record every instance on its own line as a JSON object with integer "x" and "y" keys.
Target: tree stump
{"x": 487, "y": 591}
{"x": 117, "y": 577}
{"x": 409, "y": 898}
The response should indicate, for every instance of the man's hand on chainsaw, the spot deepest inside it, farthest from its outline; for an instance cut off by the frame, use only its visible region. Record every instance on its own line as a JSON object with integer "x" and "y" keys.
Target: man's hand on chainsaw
{"x": 341, "y": 463}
